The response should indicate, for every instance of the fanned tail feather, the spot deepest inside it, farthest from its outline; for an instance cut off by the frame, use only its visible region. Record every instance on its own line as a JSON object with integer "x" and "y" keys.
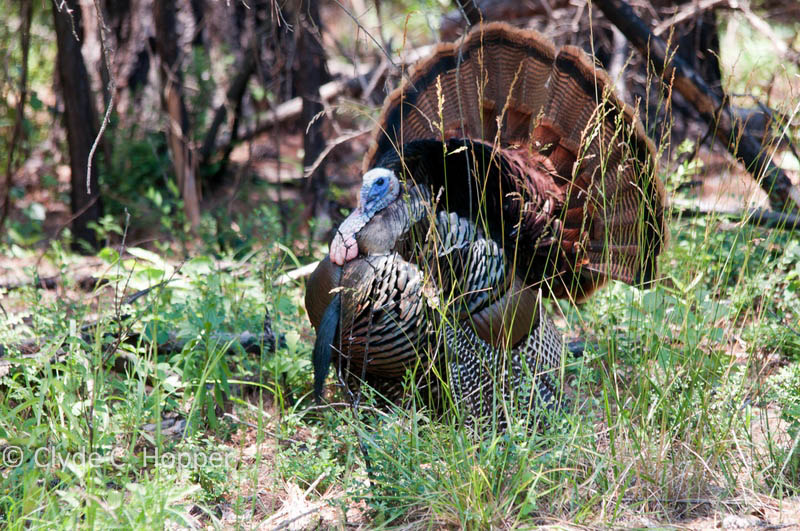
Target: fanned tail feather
{"x": 551, "y": 104}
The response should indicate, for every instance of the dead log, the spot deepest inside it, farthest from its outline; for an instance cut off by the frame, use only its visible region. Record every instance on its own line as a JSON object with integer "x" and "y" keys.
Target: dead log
{"x": 247, "y": 341}
{"x": 352, "y": 86}
{"x": 300, "y": 272}
{"x": 715, "y": 111}
{"x": 84, "y": 283}
{"x": 291, "y": 109}
{"x": 691, "y": 11}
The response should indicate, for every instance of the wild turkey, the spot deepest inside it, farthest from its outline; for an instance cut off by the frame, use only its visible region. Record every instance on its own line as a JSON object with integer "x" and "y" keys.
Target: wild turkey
{"x": 501, "y": 169}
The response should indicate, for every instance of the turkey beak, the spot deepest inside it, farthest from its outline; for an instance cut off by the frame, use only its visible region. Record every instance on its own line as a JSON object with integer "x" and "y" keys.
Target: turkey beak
{"x": 344, "y": 247}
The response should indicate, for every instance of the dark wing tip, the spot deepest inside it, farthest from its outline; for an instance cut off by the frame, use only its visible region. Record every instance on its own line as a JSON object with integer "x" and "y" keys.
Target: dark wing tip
{"x": 326, "y": 333}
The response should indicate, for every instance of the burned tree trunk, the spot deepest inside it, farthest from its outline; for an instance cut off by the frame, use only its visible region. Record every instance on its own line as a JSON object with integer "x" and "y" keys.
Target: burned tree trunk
{"x": 80, "y": 120}
{"x": 311, "y": 73}
{"x": 198, "y": 13}
{"x": 178, "y": 130}
{"x": 233, "y": 99}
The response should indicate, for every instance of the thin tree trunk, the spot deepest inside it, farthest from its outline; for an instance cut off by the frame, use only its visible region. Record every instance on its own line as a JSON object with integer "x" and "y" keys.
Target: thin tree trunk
{"x": 178, "y": 130}
{"x": 81, "y": 122}
{"x": 26, "y": 11}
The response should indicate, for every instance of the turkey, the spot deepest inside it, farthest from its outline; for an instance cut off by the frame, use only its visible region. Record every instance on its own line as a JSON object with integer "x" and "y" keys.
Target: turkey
{"x": 428, "y": 310}
{"x": 502, "y": 170}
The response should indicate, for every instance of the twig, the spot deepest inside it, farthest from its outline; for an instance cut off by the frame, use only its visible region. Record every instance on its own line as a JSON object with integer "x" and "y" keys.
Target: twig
{"x": 290, "y": 521}
{"x": 62, "y": 7}
{"x": 112, "y": 86}
{"x": 46, "y": 245}
{"x": 691, "y": 10}
{"x": 470, "y": 11}
{"x": 362, "y": 28}
{"x": 762, "y": 27}
{"x": 343, "y": 405}
{"x": 272, "y": 434}
{"x": 346, "y": 137}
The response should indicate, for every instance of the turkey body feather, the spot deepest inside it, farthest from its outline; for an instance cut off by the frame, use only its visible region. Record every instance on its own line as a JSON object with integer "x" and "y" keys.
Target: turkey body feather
{"x": 439, "y": 307}
{"x": 502, "y": 171}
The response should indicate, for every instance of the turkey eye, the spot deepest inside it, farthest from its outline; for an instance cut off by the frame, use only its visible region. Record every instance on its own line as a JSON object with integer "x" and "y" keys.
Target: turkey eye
{"x": 380, "y": 181}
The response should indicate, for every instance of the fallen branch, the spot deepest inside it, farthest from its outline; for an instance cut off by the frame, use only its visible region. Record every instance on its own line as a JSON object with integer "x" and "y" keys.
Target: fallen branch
{"x": 300, "y": 272}
{"x": 291, "y": 109}
{"x": 251, "y": 343}
{"x": 716, "y": 112}
{"x": 173, "y": 427}
{"x": 759, "y": 120}
{"x": 353, "y": 86}
{"x": 341, "y": 139}
{"x": 377, "y": 76}
{"x": 759, "y": 24}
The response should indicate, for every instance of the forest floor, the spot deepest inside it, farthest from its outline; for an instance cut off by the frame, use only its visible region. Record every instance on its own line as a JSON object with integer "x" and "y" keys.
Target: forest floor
{"x": 683, "y": 409}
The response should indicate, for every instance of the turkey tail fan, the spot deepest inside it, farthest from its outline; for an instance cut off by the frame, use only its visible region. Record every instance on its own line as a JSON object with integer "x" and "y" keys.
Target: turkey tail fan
{"x": 552, "y": 116}
{"x": 476, "y": 78}
{"x": 614, "y": 202}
